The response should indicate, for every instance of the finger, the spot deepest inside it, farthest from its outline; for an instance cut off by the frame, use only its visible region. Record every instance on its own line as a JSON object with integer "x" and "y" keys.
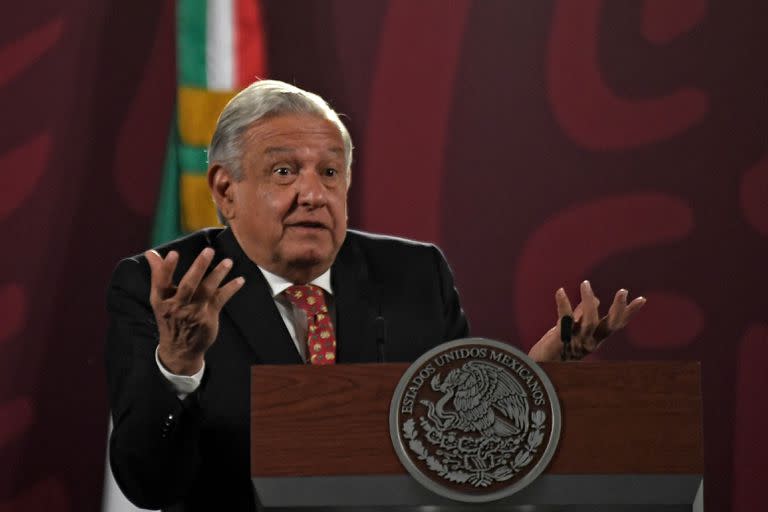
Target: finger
{"x": 578, "y": 312}
{"x": 618, "y": 316}
{"x": 617, "y": 309}
{"x": 590, "y": 316}
{"x": 155, "y": 262}
{"x": 191, "y": 279}
{"x": 563, "y": 304}
{"x": 632, "y": 309}
{"x": 161, "y": 271}
{"x": 169, "y": 267}
{"x": 226, "y": 292}
{"x": 211, "y": 283}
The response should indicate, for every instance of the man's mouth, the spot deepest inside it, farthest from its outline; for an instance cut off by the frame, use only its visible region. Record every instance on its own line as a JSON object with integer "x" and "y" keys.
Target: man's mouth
{"x": 308, "y": 225}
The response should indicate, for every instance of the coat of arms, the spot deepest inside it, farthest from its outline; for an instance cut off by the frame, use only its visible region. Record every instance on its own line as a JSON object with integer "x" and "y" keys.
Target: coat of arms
{"x": 476, "y": 420}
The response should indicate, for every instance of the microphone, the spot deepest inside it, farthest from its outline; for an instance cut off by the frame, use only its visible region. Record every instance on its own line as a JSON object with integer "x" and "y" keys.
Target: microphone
{"x": 566, "y": 332}
{"x": 380, "y": 327}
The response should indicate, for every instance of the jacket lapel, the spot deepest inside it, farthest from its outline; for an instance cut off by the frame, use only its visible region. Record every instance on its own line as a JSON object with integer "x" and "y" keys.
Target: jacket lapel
{"x": 356, "y": 306}
{"x": 252, "y": 308}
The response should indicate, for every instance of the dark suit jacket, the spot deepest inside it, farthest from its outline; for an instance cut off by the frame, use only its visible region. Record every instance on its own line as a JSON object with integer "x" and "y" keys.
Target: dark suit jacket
{"x": 194, "y": 454}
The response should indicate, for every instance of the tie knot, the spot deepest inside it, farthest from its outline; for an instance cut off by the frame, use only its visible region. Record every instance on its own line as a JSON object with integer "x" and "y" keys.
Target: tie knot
{"x": 308, "y": 298}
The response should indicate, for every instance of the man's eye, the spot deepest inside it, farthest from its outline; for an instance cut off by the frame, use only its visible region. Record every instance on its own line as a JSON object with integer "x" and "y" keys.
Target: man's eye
{"x": 282, "y": 171}
{"x": 330, "y": 172}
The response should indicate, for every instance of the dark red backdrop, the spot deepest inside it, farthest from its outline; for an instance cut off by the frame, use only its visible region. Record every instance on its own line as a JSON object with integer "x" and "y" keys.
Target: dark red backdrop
{"x": 539, "y": 142}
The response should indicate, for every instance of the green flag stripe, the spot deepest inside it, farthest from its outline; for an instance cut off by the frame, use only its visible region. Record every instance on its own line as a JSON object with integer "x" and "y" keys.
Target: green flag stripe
{"x": 193, "y": 159}
{"x": 167, "y": 225}
{"x": 191, "y": 42}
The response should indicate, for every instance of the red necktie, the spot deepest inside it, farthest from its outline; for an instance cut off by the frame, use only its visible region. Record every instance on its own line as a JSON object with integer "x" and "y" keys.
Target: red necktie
{"x": 321, "y": 340}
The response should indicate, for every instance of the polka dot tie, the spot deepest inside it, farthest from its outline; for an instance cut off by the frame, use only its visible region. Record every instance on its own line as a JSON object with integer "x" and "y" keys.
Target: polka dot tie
{"x": 321, "y": 340}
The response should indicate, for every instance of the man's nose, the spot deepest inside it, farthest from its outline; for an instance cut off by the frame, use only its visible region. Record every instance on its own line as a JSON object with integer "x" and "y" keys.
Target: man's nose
{"x": 310, "y": 188}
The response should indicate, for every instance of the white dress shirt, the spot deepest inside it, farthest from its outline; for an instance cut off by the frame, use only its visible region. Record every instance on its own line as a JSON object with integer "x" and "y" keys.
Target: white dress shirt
{"x": 295, "y": 321}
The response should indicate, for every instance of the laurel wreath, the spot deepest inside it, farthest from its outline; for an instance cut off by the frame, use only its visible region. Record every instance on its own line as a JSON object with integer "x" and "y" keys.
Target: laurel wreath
{"x": 480, "y": 478}
{"x": 411, "y": 434}
{"x": 534, "y": 440}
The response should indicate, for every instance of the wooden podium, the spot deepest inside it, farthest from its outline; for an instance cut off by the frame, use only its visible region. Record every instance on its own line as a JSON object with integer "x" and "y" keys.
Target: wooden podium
{"x": 631, "y": 440}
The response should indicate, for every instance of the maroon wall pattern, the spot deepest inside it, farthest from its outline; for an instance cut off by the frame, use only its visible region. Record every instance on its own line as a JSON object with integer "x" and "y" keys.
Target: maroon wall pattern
{"x": 86, "y": 92}
{"x": 538, "y": 142}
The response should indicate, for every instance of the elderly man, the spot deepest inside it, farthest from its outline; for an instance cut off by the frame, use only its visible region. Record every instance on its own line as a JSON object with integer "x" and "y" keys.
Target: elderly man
{"x": 285, "y": 282}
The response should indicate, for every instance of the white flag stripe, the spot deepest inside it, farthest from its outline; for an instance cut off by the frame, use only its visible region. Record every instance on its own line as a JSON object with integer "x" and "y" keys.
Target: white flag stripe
{"x": 220, "y": 45}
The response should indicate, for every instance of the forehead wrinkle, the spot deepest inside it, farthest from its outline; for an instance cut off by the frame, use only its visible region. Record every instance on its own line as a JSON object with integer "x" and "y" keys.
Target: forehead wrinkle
{"x": 278, "y": 150}
{"x": 271, "y": 139}
{"x": 274, "y": 150}
{"x": 265, "y": 131}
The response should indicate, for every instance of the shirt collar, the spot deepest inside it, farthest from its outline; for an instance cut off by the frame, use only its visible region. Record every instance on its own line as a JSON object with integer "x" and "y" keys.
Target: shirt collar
{"x": 278, "y": 285}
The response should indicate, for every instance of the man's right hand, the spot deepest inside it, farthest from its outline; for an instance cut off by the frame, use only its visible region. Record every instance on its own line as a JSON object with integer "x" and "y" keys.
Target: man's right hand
{"x": 187, "y": 315}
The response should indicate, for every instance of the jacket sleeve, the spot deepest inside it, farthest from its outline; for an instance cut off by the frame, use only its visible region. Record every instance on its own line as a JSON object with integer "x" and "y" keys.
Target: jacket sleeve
{"x": 154, "y": 443}
{"x": 456, "y": 325}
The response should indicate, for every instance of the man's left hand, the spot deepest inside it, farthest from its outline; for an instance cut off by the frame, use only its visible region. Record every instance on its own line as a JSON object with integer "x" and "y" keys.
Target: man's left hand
{"x": 589, "y": 329}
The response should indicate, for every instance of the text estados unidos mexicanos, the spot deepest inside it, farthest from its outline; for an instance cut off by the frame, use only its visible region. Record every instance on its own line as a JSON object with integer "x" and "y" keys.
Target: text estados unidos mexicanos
{"x": 525, "y": 374}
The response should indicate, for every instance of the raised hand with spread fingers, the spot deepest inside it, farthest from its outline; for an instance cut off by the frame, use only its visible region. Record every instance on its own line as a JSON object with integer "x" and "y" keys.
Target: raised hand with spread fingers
{"x": 187, "y": 315}
{"x": 588, "y": 328}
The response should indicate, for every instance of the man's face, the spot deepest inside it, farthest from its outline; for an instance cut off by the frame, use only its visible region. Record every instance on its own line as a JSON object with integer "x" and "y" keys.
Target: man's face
{"x": 289, "y": 211}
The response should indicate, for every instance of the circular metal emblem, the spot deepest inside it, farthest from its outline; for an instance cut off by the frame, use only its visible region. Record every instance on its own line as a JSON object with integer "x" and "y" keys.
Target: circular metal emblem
{"x": 475, "y": 420}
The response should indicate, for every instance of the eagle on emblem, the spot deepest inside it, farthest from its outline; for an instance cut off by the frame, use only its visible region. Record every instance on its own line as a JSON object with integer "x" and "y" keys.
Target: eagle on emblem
{"x": 483, "y": 398}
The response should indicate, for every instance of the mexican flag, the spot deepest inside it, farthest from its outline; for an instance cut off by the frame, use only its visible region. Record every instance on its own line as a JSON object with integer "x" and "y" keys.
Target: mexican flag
{"x": 220, "y": 49}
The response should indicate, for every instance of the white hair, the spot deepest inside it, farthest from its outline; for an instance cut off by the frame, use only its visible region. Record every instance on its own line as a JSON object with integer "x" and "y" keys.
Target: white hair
{"x": 262, "y": 100}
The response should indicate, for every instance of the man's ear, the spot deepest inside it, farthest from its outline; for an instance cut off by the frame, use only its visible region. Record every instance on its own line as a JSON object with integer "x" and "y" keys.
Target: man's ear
{"x": 221, "y": 184}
